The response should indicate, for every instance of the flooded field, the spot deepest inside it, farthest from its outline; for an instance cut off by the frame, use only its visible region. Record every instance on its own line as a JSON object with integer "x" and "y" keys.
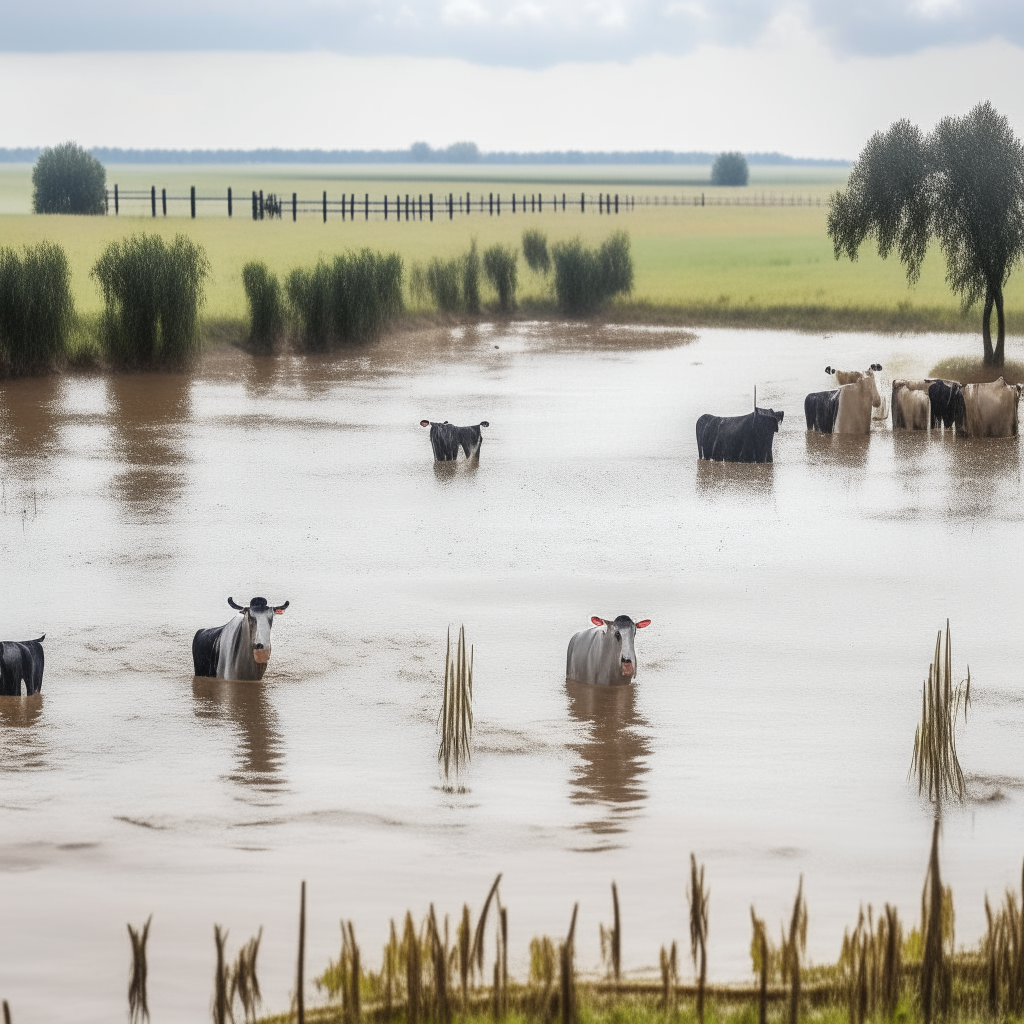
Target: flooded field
{"x": 770, "y": 728}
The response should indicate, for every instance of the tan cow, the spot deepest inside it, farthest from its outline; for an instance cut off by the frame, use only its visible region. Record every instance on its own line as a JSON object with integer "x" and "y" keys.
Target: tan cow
{"x": 990, "y": 410}
{"x": 847, "y": 409}
{"x": 910, "y": 404}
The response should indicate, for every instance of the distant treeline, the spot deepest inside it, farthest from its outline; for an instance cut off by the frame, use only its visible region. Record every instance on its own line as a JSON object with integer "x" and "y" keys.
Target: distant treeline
{"x": 418, "y": 153}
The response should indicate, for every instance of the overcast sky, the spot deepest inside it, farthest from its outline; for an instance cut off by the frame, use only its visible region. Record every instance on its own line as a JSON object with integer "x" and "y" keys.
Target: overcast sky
{"x": 808, "y": 78}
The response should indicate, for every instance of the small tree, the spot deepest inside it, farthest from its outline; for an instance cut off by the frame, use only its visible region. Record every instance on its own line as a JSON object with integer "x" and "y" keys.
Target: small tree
{"x": 730, "y": 169}
{"x": 962, "y": 184}
{"x": 66, "y": 179}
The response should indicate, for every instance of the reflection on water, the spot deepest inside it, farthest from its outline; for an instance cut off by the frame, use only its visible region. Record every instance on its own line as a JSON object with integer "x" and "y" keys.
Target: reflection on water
{"x": 23, "y": 748}
{"x": 148, "y": 412}
{"x": 446, "y": 472}
{"x": 613, "y": 757}
{"x": 846, "y": 450}
{"x": 752, "y": 478}
{"x": 30, "y": 417}
{"x": 245, "y": 705}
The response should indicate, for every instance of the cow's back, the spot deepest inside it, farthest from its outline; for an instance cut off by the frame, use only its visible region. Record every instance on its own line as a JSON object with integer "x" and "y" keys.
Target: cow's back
{"x": 820, "y": 410}
{"x": 853, "y": 413}
{"x": 990, "y": 410}
{"x": 587, "y": 657}
{"x": 206, "y": 651}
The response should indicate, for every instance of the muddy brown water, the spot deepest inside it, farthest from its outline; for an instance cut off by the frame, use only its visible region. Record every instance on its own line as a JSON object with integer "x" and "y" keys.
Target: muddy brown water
{"x": 769, "y": 730}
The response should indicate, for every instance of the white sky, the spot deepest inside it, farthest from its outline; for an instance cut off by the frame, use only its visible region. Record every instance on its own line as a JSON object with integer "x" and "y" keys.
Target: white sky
{"x": 789, "y": 90}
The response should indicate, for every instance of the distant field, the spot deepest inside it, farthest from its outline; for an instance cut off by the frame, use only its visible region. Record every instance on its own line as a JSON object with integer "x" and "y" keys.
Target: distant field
{"x": 712, "y": 264}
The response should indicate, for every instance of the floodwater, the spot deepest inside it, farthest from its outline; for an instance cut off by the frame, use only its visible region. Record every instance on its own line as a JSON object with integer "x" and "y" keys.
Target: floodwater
{"x": 770, "y": 727}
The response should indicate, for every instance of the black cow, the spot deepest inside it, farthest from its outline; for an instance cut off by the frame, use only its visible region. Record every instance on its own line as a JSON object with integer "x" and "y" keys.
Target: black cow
{"x": 821, "y": 409}
{"x": 738, "y": 438}
{"x": 21, "y": 661}
{"x": 446, "y": 438}
{"x": 947, "y": 398}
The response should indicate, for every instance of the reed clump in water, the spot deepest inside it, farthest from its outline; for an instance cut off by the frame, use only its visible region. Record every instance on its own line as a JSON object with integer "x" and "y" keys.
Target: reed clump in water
{"x": 698, "y": 895}
{"x": 455, "y": 722}
{"x": 766, "y": 961}
{"x": 936, "y": 922}
{"x": 501, "y": 267}
{"x": 351, "y": 299}
{"x": 668, "y": 962}
{"x": 245, "y": 983}
{"x": 454, "y": 283}
{"x": 542, "y": 977}
{"x": 220, "y": 1007}
{"x": 586, "y": 278}
{"x": 611, "y": 941}
{"x": 794, "y": 947}
{"x": 1003, "y": 949}
{"x": 935, "y": 762}
{"x": 871, "y": 964}
{"x": 266, "y": 304}
{"x": 568, "y": 1002}
{"x": 152, "y": 294}
{"x": 138, "y": 1001}
{"x": 37, "y": 312}
{"x": 535, "y": 251}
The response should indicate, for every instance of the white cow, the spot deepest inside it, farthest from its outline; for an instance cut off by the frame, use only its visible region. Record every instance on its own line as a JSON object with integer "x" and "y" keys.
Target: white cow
{"x": 240, "y": 649}
{"x": 911, "y": 408}
{"x": 847, "y": 409}
{"x": 604, "y": 656}
{"x": 990, "y": 410}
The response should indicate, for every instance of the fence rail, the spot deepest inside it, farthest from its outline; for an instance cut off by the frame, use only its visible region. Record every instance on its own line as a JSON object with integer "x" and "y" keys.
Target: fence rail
{"x": 351, "y": 206}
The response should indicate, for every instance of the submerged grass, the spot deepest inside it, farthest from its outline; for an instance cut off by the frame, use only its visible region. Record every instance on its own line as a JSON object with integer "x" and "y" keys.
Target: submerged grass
{"x": 455, "y": 721}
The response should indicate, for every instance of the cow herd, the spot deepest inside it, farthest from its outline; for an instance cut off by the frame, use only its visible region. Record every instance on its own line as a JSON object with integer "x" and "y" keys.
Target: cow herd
{"x": 974, "y": 410}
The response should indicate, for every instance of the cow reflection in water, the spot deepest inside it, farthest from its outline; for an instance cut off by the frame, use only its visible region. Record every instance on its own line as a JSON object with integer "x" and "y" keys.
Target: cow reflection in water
{"x": 613, "y": 756}
{"x": 21, "y": 726}
{"x": 246, "y": 706}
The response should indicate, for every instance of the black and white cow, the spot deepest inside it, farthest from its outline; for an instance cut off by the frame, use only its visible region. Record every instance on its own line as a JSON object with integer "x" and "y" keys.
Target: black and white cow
{"x": 847, "y": 409}
{"x": 947, "y": 401}
{"x": 21, "y": 661}
{"x": 604, "y": 656}
{"x": 738, "y": 438}
{"x": 446, "y": 439}
{"x": 240, "y": 649}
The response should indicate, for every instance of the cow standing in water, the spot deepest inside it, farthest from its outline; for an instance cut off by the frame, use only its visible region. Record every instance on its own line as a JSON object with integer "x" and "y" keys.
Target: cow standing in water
{"x": 446, "y": 439}
{"x": 947, "y": 401}
{"x": 738, "y": 438}
{"x": 240, "y": 649}
{"x": 990, "y": 410}
{"x": 21, "y": 660}
{"x": 846, "y": 410}
{"x": 911, "y": 405}
{"x": 604, "y": 656}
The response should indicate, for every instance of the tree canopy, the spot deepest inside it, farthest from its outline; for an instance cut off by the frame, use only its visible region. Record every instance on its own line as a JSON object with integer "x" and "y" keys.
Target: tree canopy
{"x": 729, "y": 169}
{"x": 963, "y": 185}
{"x": 67, "y": 179}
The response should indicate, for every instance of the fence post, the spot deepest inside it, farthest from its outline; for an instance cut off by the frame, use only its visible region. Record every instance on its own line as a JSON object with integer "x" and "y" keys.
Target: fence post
{"x": 163, "y": 199}
{"x": 431, "y": 206}
{"x": 366, "y": 205}
{"x": 702, "y": 199}
{"x": 407, "y": 207}
{"x": 261, "y": 204}
{"x": 152, "y": 198}
{"x": 467, "y": 202}
{"x": 255, "y": 215}
{"x": 295, "y": 207}
{"x": 385, "y": 206}
{"x": 513, "y": 202}
{"x": 491, "y": 202}
{"x": 451, "y": 205}
{"x": 616, "y": 202}
{"x": 499, "y": 204}
{"x": 193, "y": 201}
{"x": 229, "y": 200}
{"x": 352, "y": 209}
{"x": 421, "y": 206}
{"x": 600, "y": 202}
{"x": 117, "y": 208}
{"x": 583, "y": 203}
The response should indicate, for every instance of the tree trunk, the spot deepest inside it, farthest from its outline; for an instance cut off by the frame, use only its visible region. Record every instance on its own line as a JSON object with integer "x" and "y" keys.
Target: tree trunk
{"x": 986, "y": 329}
{"x": 1001, "y": 327}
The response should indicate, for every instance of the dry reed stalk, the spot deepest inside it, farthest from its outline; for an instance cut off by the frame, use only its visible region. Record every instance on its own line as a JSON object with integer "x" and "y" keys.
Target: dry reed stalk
{"x": 935, "y": 761}
{"x": 934, "y": 973}
{"x": 350, "y": 971}
{"x": 244, "y": 981}
{"x": 542, "y": 973}
{"x": 455, "y": 722}
{"x": 567, "y": 973}
{"x": 477, "y": 952}
{"x": 389, "y": 970}
{"x": 697, "y": 895}
{"x": 300, "y": 999}
{"x": 439, "y": 965}
{"x": 611, "y": 942}
{"x": 138, "y": 1004}
{"x": 221, "y": 980}
{"x": 503, "y": 919}
{"x": 668, "y": 962}
{"x": 413, "y": 971}
{"x": 1004, "y": 956}
{"x": 793, "y": 946}
{"x": 465, "y": 947}
{"x": 759, "y": 943}
{"x": 891, "y": 943}
{"x": 7, "y": 1013}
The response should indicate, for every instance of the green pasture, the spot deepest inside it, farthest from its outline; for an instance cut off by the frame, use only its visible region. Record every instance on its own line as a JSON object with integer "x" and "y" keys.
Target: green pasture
{"x": 748, "y": 265}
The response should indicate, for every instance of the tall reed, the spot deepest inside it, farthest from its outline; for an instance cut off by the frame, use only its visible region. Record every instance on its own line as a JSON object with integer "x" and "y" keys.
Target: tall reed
{"x": 300, "y": 971}
{"x": 465, "y": 949}
{"x": 7, "y": 1013}
{"x": 413, "y": 972}
{"x": 669, "y": 964}
{"x": 245, "y": 984}
{"x": 586, "y": 278}
{"x": 152, "y": 295}
{"x": 1003, "y": 948}
{"x": 455, "y": 721}
{"x": 542, "y": 975}
{"x": 567, "y": 973}
{"x": 871, "y": 963}
{"x": 37, "y": 312}
{"x": 476, "y": 953}
{"x": 794, "y": 946}
{"x": 138, "y": 1001}
{"x": 935, "y": 761}
{"x": 697, "y": 895}
{"x": 611, "y": 941}
{"x": 444, "y": 282}
{"x": 535, "y": 251}
{"x": 439, "y": 970}
{"x": 761, "y": 956}
{"x": 935, "y": 979}
{"x": 266, "y": 309}
{"x": 471, "y": 279}
{"x": 221, "y": 1007}
{"x": 501, "y": 266}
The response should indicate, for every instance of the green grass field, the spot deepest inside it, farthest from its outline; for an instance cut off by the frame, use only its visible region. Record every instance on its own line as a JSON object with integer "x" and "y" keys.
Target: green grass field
{"x": 744, "y": 265}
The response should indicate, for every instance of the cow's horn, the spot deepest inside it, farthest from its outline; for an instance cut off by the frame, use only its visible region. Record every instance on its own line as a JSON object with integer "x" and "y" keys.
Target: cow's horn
{"x": 237, "y": 607}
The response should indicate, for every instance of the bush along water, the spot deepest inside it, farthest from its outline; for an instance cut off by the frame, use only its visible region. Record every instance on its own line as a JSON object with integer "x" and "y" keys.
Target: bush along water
{"x": 353, "y": 298}
{"x": 535, "y": 251}
{"x": 37, "y": 312}
{"x": 586, "y": 278}
{"x": 152, "y": 293}
{"x": 501, "y": 267}
{"x": 266, "y": 313}
{"x": 454, "y": 283}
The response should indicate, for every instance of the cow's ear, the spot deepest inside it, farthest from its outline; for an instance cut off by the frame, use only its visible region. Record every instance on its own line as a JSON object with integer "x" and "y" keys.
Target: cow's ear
{"x": 279, "y": 611}
{"x": 597, "y": 620}
{"x": 424, "y": 423}
{"x": 642, "y": 623}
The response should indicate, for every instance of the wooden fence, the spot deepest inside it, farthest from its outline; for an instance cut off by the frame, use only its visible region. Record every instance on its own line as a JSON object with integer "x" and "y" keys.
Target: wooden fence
{"x": 420, "y": 207}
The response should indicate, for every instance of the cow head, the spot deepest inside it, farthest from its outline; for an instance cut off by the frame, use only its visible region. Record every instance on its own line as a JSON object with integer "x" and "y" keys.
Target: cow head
{"x": 622, "y": 630}
{"x": 259, "y": 619}
{"x": 775, "y": 417}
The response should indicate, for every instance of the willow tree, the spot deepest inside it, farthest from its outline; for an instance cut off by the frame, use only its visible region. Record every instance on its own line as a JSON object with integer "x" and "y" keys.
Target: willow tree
{"x": 962, "y": 184}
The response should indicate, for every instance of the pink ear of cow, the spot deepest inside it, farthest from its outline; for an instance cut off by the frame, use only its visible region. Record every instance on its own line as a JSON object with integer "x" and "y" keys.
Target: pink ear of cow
{"x": 597, "y": 620}
{"x": 424, "y": 423}
{"x": 642, "y": 623}
{"x": 279, "y": 611}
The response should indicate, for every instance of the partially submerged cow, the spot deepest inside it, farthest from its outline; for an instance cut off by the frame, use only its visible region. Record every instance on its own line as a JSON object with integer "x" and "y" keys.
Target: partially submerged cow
{"x": 947, "y": 401}
{"x": 604, "y": 656}
{"x": 21, "y": 661}
{"x": 240, "y": 649}
{"x": 446, "y": 439}
{"x": 910, "y": 405}
{"x": 738, "y": 438}
{"x": 990, "y": 410}
{"x": 847, "y": 409}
